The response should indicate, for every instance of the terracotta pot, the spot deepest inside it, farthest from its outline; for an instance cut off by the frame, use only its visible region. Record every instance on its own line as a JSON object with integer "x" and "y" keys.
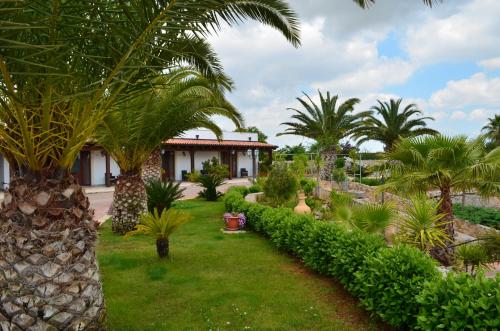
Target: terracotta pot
{"x": 302, "y": 207}
{"x": 233, "y": 223}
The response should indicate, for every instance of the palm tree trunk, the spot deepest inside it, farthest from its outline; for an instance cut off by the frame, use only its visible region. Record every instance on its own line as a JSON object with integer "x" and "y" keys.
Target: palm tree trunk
{"x": 328, "y": 156}
{"x": 162, "y": 247}
{"x": 445, "y": 255}
{"x": 49, "y": 277}
{"x": 129, "y": 202}
{"x": 152, "y": 167}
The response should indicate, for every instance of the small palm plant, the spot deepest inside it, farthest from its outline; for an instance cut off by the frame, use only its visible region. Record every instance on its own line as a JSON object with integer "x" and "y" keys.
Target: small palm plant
{"x": 422, "y": 225}
{"x": 161, "y": 195}
{"x": 210, "y": 183}
{"x": 160, "y": 227}
{"x": 373, "y": 217}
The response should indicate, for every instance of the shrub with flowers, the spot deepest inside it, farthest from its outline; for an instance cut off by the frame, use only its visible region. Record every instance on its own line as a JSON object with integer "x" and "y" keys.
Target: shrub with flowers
{"x": 241, "y": 218}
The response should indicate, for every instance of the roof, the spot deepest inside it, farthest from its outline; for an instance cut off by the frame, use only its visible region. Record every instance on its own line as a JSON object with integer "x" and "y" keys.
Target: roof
{"x": 218, "y": 143}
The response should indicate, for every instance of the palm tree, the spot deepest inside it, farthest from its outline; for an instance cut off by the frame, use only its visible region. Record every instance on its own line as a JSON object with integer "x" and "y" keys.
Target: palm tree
{"x": 327, "y": 124}
{"x": 394, "y": 125}
{"x": 63, "y": 66}
{"x": 130, "y": 133}
{"x": 492, "y": 130}
{"x": 443, "y": 163}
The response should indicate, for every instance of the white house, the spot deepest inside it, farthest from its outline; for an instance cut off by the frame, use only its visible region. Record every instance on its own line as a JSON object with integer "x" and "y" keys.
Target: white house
{"x": 179, "y": 156}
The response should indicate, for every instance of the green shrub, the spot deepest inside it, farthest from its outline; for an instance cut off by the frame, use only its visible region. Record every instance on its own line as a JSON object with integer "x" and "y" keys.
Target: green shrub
{"x": 210, "y": 183}
{"x": 161, "y": 195}
{"x": 460, "y": 302}
{"x": 255, "y": 188}
{"x": 308, "y": 185}
{"x": 213, "y": 167}
{"x": 390, "y": 280}
{"x": 371, "y": 181}
{"x": 281, "y": 185}
{"x": 478, "y": 215}
{"x": 243, "y": 190}
{"x": 194, "y": 176}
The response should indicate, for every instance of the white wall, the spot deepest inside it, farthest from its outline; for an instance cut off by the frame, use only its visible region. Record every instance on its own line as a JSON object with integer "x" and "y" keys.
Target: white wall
{"x": 6, "y": 173}
{"x": 245, "y": 161}
{"x": 202, "y": 156}
{"x": 182, "y": 162}
{"x": 205, "y": 134}
{"x": 98, "y": 168}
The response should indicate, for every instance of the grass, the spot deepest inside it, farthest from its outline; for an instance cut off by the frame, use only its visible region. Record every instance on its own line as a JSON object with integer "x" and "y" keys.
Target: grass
{"x": 217, "y": 282}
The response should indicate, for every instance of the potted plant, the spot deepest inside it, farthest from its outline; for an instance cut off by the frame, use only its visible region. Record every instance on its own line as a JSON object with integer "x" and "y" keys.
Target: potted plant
{"x": 234, "y": 221}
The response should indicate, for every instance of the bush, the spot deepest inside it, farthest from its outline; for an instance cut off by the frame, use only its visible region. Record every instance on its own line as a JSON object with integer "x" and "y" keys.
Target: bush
{"x": 478, "y": 215}
{"x": 213, "y": 167}
{"x": 308, "y": 185}
{"x": 161, "y": 194}
{"x": 281, "y": 185}
{"x": 210, "y": 183}
{"x": 194, "y": 176}
{"x": 390, "y": 280}
{"x": 255, "y": 188}
{"x": 387, "y": 280}
{"x": 460, "y": 302}
{"x": 371, "y": 181}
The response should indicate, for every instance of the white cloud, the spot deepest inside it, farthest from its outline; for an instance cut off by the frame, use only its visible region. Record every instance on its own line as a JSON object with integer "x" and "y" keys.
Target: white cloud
{"x": 470, "y": 33}
{"x": 491, "y": 64}
{"x": 458, "y": 115}
{"x": 475, "y": 90}
{"x": 479, "y": 114}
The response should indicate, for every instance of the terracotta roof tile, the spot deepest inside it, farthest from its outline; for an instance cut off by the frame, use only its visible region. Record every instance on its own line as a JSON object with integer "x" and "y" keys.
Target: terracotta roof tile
{"x": 216, "y": 143}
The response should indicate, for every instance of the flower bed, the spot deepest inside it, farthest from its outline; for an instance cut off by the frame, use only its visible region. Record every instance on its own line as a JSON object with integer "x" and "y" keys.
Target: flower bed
{"x": 388, "y": 281}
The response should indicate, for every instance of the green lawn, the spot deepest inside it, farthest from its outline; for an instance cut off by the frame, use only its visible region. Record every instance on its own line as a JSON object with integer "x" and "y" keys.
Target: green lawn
{"x": 218, "y": 282}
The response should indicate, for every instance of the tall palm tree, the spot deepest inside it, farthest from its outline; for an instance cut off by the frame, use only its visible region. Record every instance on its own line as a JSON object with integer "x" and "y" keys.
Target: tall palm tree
{"x": 326, "y": 123}
{"x": 394, "y": 124}
{"x": 492, "y": 130}
{"x": 443, "y": 163}
{"x": 130, "y": 133}
{"x": 63, "y": 66}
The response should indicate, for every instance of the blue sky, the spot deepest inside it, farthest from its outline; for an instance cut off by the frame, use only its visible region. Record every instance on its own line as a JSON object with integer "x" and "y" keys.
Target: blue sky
{"x": 445, "y": 59}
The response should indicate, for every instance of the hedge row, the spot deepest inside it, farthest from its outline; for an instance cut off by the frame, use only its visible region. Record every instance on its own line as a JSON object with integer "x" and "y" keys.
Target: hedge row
{"x": 401, "y": 285}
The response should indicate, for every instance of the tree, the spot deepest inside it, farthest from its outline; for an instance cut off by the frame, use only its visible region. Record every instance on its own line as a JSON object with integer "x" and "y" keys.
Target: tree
{"x": 327, "y": 124}
{"x": 253, "y": 129}
{"x": 492, "y": 131}
{"x": 63, "y": 66}
{"x": 443, "y": 163}
{"x": 183, "y": 100}
{"x": 394, "y": 125}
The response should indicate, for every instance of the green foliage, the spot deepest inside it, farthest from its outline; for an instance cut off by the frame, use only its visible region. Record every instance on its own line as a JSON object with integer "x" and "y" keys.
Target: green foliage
{"x": 390, "y": 280}
{"x": 194, "y": 176}
{"x": 210, "y": 183}
{"x": 478, "y": 215}
{"x": 214, "y": 168}
{"x": 421, "y": 225}
{"x": 460, "y": 302}
{"x": 314, "y": 203}
{"x": 387, "y": 280}
{"x": 473, "y": 257}
{"x": 160, "y": 227}
{"x": 373, "y": 217}
{"x": 281, "y": 184}
{"x": 371, "y": 181}
{"x": 338, "y": 175}
{"x": 161, "y": 194}
{"x": 299, "y": 165}
{"x": 340, "y": 163}
{"x": 243, "y": 190}
{"x": 491, "y": 242}
{"x": 255, "y": 188}
{"x": 308, "y": 185}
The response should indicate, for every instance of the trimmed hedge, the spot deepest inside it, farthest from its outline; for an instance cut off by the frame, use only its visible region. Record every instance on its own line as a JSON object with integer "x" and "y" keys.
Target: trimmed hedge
{"x": 478, "y": 215}
{"x": 401, "y": 285}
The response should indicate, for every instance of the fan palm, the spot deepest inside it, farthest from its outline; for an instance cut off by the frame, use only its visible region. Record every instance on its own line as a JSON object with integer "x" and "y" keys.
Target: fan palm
{"x": 63, "y": 66}
{"x": 443, "y": 163}
{"x": 394, "y": 125}
{"x": 184, "y": 100}
{"x": 160, "y": 227}
{"x": 492, "y": 130}
{"x": 327, "y": 123}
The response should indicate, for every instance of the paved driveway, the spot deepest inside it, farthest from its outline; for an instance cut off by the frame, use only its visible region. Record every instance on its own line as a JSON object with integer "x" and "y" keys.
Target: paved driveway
{"x": 100, "y": 198}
